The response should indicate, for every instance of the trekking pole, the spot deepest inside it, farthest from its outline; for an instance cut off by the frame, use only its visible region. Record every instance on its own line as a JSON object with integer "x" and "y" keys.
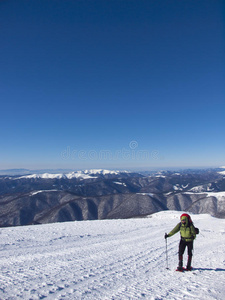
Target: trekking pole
{"x": 166, "y": 256}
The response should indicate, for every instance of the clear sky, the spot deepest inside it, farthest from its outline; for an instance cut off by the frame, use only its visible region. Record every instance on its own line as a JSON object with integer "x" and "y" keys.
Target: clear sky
{"x": 116, "y": 84}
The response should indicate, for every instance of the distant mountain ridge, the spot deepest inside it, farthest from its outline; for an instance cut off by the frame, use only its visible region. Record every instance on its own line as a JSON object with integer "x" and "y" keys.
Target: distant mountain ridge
{"x": 87, "y": 174}
{"x": 105, "y": 194}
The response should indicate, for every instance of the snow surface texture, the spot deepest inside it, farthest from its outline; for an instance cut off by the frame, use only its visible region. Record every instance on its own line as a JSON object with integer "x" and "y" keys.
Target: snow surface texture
{"x": 111, "y": 259}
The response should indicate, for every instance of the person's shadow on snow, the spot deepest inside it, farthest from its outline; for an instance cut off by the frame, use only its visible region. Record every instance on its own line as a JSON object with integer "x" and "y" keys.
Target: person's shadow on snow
{"x": 209, "y": 269}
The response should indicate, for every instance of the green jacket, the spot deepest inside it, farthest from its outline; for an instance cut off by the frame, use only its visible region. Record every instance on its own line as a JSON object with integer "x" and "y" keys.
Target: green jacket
{"x": 187, "y": 231}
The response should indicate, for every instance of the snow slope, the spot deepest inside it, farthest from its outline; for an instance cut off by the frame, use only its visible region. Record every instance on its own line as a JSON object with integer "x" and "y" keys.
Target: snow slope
{"x": 111, "y": 259}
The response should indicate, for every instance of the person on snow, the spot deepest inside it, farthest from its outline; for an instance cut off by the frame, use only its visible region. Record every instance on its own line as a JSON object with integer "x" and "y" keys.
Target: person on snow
{"x": 188, "y": 234}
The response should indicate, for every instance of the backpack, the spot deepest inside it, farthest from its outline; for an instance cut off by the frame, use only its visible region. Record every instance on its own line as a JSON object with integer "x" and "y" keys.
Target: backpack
{"x": 190, "y": 222}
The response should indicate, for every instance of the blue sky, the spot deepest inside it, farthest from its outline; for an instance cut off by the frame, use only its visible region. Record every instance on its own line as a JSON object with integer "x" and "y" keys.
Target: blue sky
{"x": 112, "y": 84}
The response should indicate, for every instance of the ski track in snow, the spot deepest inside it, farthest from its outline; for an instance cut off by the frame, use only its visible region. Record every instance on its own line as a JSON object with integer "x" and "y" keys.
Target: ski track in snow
{"x": 111, "y": 259}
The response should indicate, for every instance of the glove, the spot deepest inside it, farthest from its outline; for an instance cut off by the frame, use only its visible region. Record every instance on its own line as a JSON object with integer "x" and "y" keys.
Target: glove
{"x": 166, "y": 236}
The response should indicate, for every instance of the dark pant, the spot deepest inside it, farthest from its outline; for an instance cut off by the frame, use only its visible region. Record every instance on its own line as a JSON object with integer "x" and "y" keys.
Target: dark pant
{"x": 182, "y": 247}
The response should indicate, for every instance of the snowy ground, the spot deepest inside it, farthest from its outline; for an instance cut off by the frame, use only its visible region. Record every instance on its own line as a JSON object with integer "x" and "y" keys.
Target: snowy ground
{"x": 111, "y": 259}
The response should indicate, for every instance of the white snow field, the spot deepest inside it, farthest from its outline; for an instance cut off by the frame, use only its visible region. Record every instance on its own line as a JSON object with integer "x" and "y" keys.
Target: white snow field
{"x": 111, "y": 259}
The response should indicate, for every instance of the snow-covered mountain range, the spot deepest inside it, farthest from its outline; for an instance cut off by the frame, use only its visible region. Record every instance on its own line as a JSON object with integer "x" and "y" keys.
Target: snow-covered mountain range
{"x": 87, "y": 174}
{"x": 104, "y": 194}
{"x": 111, "y": 259}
